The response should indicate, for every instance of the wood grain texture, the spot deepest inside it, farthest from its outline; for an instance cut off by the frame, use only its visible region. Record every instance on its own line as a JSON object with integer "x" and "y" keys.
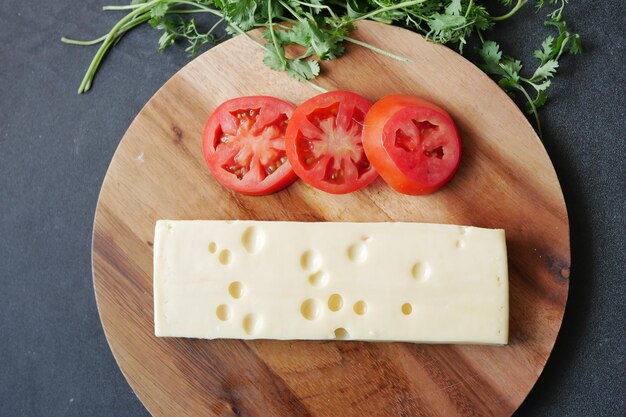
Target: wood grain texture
{"x": 505, "y": 180}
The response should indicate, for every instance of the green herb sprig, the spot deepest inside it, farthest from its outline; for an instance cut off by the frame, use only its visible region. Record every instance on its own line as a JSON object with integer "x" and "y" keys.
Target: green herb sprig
{"x": 321, "y": 28}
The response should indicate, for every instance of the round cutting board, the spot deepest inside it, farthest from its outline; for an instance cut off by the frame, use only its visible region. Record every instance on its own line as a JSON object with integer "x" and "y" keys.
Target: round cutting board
{"x": 505, "y": 180}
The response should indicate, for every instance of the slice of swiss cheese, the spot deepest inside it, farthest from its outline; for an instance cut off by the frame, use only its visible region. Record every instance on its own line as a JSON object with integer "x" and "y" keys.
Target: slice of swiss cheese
{"x": 411, "y": 282}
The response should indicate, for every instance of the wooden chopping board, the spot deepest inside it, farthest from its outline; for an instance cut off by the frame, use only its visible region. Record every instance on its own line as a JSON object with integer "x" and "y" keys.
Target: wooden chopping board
{"x": 505, "y": 180}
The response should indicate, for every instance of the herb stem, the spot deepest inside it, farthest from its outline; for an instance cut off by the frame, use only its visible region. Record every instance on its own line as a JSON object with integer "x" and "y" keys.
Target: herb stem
{"x": 377, "y": 50}
{"x": 386, "y": 9}
{"x": 533, "y": 109}
{"x": 292, "y": 11}
{"x": 124, "y": 7}
{"x": 511, "y": 13}
{"x": 216, "y": 25}
{"x": 279, "y": 51}
{"x": 319, "y": 7}
{"x": 315, "y": 86}
{"x": 245, "y": 34}
{"x": 469, "y": 7}
{"x": 83, "y": 43}
{"x": 109, "y": 39}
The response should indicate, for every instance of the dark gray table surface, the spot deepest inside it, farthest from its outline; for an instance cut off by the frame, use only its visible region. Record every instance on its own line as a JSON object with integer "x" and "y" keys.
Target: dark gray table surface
{"x": 55, "y": 147}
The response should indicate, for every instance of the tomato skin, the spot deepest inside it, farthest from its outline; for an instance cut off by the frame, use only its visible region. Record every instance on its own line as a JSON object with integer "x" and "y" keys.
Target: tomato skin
{"x": 324, "y": 142}
{"x": 252, "y": 144}
{"x": 406, "y": 163}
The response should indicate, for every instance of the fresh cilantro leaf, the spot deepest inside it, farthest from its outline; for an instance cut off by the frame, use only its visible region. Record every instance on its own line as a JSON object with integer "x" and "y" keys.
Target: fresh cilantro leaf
{"x": 491, "y": 55}
{"x": 440, "y": 22}
{"x": 356, "y": 8}
{"x": 511, "y": 69}
{"x": 275, "y": 58}
{"x": 576, "y": 47}
{"x": 454, "y": 8}
{"x": 543, "y": 86}
{"x": 166, "y": 39}
{"x": 158, "y": 10}
{"x": 540, "y": 100}
{"x": 303, "y": 70}
{"x": 546, "y": 70}
{"x": 241, "y": 12}
{"x": 546, "y": 51}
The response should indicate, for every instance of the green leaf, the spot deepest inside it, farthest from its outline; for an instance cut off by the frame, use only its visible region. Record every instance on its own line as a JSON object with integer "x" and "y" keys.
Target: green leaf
{"x": 508, "y": 85}
{"x": 511, "y": 71}
{"x": 302, "y": 69}
{"x": 576, "y": 46}
{"x": 491, "y": 55}
{"x": 454, "y": 8}
{"x": 546, "y": 70}
{"x": 540, "y": 100}
{"x": 158, "y": 10}
{"x": 515, "y": 65}
{"x": 299, "y": 33}
{"x": 315, "y": 10}
{"x": 543, "y": 86}
{"x": 356, "y": 9}
{"x": 441, "y": 22}
{"x": 166, "y": 39}
{"x": 275, "y": 59}
{"x": 546, "y": 49}
{"x": 241, "y": 12}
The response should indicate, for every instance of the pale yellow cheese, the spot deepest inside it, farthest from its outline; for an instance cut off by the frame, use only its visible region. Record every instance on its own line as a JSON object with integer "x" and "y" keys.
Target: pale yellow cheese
{"x": 360, "y": 281}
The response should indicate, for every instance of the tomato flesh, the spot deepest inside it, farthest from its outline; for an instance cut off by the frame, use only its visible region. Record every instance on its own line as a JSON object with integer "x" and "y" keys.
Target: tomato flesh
{"x": 244, "y": 145}
{"x": 324, "y": 142}
{"x": 412, "y": 143}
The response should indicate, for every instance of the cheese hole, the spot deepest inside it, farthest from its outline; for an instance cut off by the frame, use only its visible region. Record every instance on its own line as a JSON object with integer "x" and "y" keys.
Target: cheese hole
{"x": 235, "y": 289}
{"x": 225, "y": 257}
{"x": 253, "y": 239}
{"x": 212, "y": 247}
{"x": 407, "y": 309}
{"x": 421, "y": 271}
{"x": 311, "y": 260}
{"x": 366, "y": 238}
{"x": 223, "y": 312}
{"x": 341, "y": 334}
{"x": 251, "y": 324}
{"x": 310, "y": 309}
{"x": 463, "y": 230}
{"x": 335, "y": 302}
{"x": 499, "y": 280}
{"x": 357, "y": 253}
{"x": 360, "y": 307}
{"x": 460, "y": 244}
{"x": 319, "y": 279}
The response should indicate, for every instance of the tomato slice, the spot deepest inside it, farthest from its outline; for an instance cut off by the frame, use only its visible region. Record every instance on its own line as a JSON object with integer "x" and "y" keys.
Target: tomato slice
{"x": 412, "y": 143}
{"x": 244, "y": 144}
{"x": 324, "y": 142}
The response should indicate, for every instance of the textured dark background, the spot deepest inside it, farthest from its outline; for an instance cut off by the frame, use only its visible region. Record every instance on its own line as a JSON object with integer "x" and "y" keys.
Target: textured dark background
{"x": 55, "y": 147}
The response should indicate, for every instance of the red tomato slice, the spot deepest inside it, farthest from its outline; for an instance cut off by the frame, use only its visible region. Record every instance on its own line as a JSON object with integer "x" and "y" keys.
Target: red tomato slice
{"x": 244, "y": 144}
{"x": 324, "y": 143}
{"x": 412, "y": 143}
